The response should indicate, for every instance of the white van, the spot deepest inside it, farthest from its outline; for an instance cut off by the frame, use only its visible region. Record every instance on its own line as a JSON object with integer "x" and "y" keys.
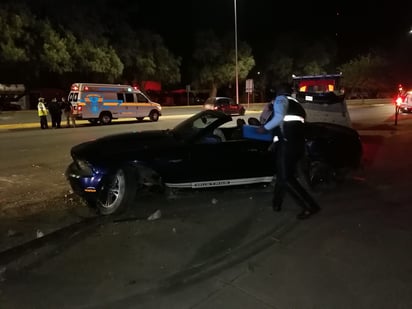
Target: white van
{"x": 100, "y": 103}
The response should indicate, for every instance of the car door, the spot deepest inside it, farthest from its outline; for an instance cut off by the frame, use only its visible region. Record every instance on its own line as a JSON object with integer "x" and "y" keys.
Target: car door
{"x": 230, "y": 161}
{"x": 120, "y": 109}
{"x": 142, "y": 108}
{"x": 127, "y": 108}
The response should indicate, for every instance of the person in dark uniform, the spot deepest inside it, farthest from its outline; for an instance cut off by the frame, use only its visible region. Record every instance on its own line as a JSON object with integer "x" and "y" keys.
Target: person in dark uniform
{"x": 287, "y": 125}
{"x": 55, "y": 113}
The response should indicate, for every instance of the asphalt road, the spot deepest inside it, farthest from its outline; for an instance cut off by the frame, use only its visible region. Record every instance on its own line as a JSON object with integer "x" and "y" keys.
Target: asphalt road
{"x": 212, "y": 249}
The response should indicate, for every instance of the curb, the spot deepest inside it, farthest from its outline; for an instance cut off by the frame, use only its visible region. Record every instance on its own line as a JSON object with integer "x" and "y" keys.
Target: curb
{"x": 253, "y": 107}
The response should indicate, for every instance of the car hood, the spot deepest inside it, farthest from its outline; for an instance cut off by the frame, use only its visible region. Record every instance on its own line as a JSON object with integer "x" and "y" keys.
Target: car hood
{"x": 124, "y": 146}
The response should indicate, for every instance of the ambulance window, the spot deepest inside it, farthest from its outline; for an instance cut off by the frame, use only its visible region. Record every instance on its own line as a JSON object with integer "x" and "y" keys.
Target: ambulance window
{"x": 120, "y": 97}
{"x": 73, "y": 97}
{"x": 141, "y": 98}
{"x": 129, "y": 97}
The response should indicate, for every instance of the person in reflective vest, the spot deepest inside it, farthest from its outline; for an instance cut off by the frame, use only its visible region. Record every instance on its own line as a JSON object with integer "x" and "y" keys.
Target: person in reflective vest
{"x": 42, "y": 112}
{"x": 287, "y": 124}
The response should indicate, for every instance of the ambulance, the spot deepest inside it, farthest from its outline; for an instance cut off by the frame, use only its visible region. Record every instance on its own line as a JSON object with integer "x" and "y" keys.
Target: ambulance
{"x": 101, "y": 103}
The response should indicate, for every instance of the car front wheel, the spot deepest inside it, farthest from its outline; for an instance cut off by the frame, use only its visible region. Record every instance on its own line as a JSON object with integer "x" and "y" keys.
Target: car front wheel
{"x": 118, "y": 193}
{"x": 154, "y": 115}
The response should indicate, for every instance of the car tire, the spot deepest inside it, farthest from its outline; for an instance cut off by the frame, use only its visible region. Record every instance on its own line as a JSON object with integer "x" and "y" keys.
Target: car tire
{"x": 321, "y": 176}
{"x": 118, "y": 193}
{"x": 242, "y": 112}
{"x": 154, "y": 116}
{"x": 105, "y": 118}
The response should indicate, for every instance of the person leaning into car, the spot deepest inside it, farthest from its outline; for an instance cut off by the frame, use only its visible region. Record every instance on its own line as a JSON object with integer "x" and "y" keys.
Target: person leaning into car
{"x": 287, "y": 124}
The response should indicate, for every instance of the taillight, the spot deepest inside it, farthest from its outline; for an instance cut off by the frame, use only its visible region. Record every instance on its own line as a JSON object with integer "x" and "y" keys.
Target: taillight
{"x": 398, "y": 101}
{"x": 78, "y": 107}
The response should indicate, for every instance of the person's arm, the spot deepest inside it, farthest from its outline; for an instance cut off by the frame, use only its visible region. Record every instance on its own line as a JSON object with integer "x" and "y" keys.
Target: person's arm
{"x": 280, "y": 106}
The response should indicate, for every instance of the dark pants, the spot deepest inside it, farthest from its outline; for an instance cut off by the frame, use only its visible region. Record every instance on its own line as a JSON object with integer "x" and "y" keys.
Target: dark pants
{"x": 43, "y": 122}
{"x": 290, "y": 149}
{"x": 56, "y": 119}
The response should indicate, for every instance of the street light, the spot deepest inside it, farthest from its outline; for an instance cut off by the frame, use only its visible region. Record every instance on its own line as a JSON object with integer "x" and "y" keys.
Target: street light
{"x": 236, "y": 66}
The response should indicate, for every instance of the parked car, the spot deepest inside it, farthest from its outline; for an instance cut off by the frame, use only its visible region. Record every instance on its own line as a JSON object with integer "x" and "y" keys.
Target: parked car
{"x": 206, "y": 150}
{"x": 224, "y": 104}
{"x": 404, "y": 102}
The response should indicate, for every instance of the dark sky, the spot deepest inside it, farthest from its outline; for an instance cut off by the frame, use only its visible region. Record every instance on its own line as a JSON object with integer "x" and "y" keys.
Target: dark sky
{"x": 355, "y": 27}
{"x": 359, "y": 25}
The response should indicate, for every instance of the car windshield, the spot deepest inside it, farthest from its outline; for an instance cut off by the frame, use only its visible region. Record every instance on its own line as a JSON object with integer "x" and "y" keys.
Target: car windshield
{"x": 204, "y": 121}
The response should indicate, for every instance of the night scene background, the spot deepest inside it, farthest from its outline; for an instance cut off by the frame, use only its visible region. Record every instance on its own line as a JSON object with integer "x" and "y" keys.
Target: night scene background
{"x": 180, "y": 43}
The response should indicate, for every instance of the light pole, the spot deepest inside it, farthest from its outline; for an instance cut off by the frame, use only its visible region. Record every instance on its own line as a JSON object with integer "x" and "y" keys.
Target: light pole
{"x": 236, "y": 66}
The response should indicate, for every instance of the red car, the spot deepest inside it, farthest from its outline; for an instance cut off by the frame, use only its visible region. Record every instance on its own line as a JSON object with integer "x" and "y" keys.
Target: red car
{"x": 224, "y": 104}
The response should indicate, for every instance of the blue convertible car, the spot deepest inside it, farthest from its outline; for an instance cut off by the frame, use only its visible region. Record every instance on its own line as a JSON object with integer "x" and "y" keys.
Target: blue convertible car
{"x": 205, "y": 150}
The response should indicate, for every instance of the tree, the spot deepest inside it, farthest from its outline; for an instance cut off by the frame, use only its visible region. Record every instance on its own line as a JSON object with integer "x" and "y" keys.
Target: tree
{"x": 280, "y": 68}
{"x": 366, "y": 74}
{"x": 215, "y": 61}
{"x": 145, "y": 57}
{"x": 96, "y": 63}
{"x": 28, "y": 42}
{"x": 315, "y": 58}
{"x": 49, "y": 49}
{"x": 100, "y": 24}
{"x": 14, "y": 38}
{"x": 293, "y": 54}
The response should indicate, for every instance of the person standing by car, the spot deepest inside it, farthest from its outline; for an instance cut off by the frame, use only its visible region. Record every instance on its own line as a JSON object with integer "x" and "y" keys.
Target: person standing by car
{"x": 287, "y": 124}
{"x": 68, "y": 113}
{"x": 42, "y": 112}
{"x": 55, "y": 113}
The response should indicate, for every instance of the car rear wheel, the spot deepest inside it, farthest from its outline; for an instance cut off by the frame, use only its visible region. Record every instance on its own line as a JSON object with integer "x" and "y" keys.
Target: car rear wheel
{"x": 105, "y": 118}
{"x": 242, "y": 112}
{"x": 118, "y": 193}
{"x": 319, "y": 176}
{"x": 154, "y": 115}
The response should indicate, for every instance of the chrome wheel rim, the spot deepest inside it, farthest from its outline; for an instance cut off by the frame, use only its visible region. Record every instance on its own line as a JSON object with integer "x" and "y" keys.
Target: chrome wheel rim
{"x": 115, "y": 192}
